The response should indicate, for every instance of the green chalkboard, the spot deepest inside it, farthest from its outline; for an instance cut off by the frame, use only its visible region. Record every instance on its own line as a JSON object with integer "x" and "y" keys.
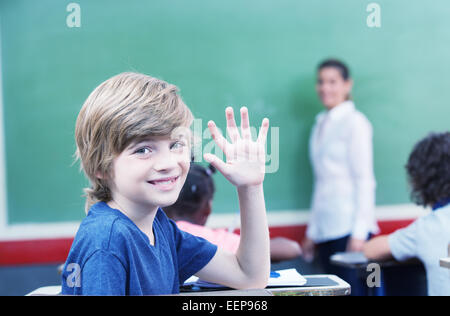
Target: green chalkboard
{"x": 258, "y": 53}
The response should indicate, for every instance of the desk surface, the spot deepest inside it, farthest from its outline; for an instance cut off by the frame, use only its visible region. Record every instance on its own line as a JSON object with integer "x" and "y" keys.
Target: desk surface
{"x": 357, "y": 260}
{"x": 316, "y": 285}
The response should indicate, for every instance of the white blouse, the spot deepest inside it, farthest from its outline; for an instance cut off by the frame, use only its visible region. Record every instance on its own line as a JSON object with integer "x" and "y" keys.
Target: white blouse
{"x": 343, "y": 201}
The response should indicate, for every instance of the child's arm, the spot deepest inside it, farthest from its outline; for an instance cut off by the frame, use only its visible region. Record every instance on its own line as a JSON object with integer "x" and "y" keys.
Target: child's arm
{"x": 378, "y": 248}
{"x": 284, "y": 249}
{"x": 244, "y": 168}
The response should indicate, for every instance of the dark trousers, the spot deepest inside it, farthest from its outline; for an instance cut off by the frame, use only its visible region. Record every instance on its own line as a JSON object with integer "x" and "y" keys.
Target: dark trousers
{"x": 323, "y": 253}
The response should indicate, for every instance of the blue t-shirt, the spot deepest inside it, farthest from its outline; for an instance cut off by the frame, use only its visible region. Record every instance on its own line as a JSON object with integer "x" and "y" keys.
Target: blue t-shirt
{"x": 110, "y": 255}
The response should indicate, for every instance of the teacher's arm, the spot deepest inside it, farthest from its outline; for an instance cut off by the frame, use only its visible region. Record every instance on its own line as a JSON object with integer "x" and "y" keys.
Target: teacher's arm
{"x": 361, "y": 167}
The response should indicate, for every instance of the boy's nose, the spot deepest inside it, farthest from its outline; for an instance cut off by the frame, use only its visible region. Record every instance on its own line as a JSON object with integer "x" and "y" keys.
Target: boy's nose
{"x": 164, "y": 162}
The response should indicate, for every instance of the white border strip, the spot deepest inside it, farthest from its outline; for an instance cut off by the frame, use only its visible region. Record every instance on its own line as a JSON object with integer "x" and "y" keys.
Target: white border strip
{"x": 39, "y": 231}
{"x": 230, "y": 221}
{"x": 301, "y": 217}
{"x": 3, "y": 195}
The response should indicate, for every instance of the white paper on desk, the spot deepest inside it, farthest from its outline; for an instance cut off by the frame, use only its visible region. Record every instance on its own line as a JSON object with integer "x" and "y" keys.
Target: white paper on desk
{"x": 287, "y": 277}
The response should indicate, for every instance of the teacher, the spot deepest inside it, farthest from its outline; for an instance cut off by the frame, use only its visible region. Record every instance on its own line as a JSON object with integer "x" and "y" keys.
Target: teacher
{"x": 342, "y": 215}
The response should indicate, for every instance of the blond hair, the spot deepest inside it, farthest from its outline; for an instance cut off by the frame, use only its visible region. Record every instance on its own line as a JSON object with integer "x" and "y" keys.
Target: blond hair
{"x": 121, "y": 110}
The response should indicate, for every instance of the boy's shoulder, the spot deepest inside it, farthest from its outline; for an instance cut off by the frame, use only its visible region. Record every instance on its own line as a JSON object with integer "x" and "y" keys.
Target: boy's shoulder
{"x": 432, "y": 227}
{"x": 439, "y": 217}
{"x": 106, "y": 229}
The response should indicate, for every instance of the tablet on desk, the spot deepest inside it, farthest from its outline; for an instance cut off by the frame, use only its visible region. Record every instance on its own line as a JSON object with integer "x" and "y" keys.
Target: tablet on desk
{"x": 280, "y": 278}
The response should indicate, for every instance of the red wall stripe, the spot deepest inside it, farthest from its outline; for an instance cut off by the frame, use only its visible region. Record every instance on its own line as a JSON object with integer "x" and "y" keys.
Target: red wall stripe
{"x": 55, "y": 251}
{"x": 38, "y": 251}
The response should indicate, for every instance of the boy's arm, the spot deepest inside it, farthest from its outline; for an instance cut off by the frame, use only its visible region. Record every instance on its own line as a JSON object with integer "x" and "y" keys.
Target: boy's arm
{"x": 378, "y": 248}
{"x": 250, "y": 266}
{"x": 102, "y": 274}
{"x": 244, "y": 168}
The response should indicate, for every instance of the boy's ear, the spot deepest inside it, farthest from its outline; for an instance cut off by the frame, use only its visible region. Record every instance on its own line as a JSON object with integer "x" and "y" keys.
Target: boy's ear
{"x": 99, "y": 175}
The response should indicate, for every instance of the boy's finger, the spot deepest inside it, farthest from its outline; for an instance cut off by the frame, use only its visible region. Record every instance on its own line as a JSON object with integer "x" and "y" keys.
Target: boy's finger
{"x": 262, "y": 137}
{"x": 216, "y": 162}
{"x": 231, "y": 124}
{"x": 245, "y": 124}
{"x": 217, "y": 136}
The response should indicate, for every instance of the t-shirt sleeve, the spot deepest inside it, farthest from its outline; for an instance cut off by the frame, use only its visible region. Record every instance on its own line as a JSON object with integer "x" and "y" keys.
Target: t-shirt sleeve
{"x": 403, "y": 242}
{"x": 193, "y": 252}
{"x": 103, "y": 274}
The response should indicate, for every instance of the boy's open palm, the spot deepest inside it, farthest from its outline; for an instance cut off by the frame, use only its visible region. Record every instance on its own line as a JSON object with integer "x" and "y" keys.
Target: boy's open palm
{"x": 245, "y": 158}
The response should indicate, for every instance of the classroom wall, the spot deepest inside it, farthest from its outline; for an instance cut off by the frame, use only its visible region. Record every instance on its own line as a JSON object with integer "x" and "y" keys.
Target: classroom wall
{"x": 257, "y": 53}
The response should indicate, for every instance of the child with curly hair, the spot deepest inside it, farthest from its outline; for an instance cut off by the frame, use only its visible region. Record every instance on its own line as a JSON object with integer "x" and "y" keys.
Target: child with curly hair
{"x": 428, "y": 237}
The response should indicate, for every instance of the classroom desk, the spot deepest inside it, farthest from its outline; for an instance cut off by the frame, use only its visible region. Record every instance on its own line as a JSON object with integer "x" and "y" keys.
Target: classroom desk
{"x": 316, "y": 285}
{"x": 260, "y": 292}
{"x": 357, "y": 260}
{"x": 397, "y": 278}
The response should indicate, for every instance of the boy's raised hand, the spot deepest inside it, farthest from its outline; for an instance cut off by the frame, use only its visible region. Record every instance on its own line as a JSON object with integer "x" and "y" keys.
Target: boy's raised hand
{"x": 244, "y": 167}
{"x": 245, "y": 158}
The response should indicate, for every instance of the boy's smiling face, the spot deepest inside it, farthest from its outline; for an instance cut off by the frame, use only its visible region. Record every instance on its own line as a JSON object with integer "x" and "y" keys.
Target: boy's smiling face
{"x": 150, "y": 172}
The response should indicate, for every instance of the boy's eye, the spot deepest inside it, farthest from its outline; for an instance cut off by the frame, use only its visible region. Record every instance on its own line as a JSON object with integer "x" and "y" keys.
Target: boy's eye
{"x": 143, "y": 150}
{"x": 177, "y": 144}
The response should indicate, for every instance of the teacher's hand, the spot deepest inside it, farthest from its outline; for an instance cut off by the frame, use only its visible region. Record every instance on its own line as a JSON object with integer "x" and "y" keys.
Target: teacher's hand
{"x": 355, "y": 245}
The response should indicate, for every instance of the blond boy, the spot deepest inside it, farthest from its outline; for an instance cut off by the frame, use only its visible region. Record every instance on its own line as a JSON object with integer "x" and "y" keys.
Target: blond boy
{"x": 134, "y": 147}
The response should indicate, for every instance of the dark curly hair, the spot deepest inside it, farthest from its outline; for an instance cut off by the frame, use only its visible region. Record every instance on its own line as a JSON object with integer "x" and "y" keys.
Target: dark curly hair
{"x": 429, "y": 169}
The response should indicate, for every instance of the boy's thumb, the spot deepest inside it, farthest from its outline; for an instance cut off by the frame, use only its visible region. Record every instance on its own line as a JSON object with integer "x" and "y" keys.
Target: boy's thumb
{"x": 216, "y": 162}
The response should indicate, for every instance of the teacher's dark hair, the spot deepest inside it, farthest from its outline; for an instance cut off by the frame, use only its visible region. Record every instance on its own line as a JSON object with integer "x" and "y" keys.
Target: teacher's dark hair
{"x": 339, "y": 65}
{"x": 429, "y": 169}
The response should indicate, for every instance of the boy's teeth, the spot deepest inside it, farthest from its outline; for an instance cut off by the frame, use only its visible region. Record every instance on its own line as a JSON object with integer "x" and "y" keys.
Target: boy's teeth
{"x": 163, "y": 182}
